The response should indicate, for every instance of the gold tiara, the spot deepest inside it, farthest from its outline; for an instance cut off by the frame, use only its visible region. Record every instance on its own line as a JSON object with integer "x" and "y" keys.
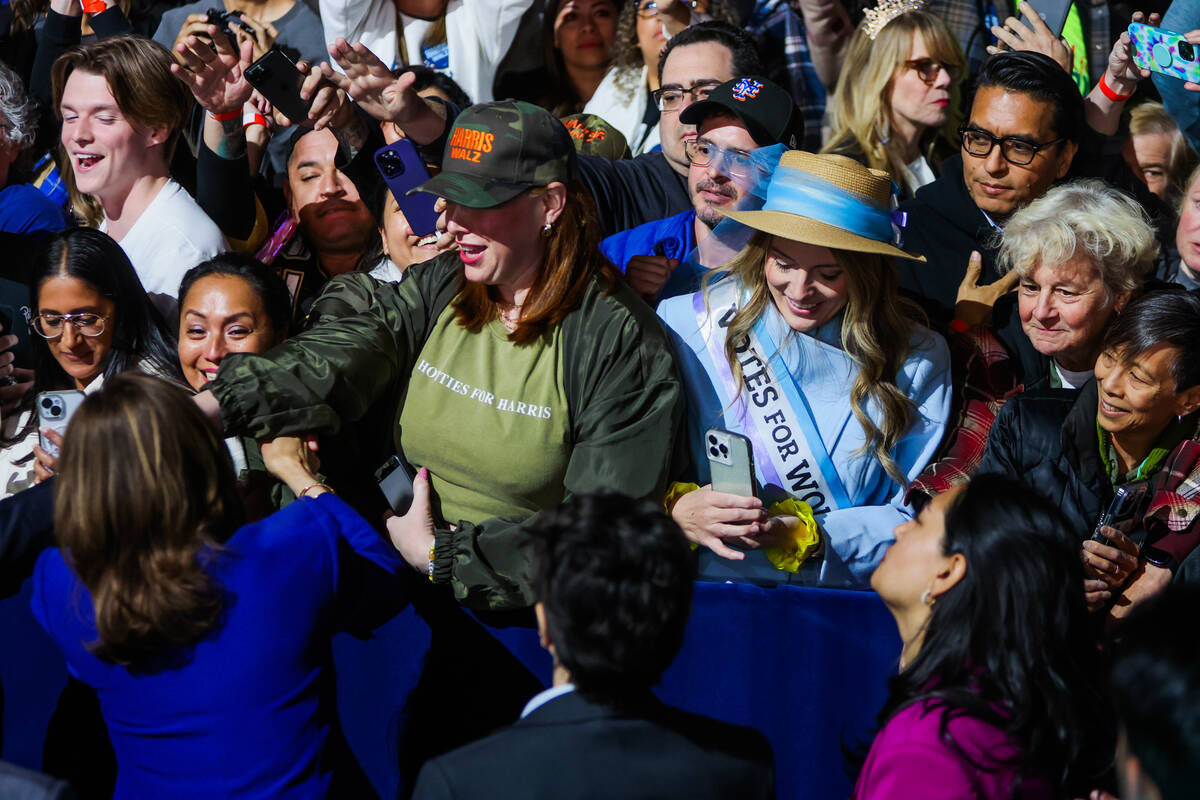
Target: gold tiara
{"x": 877, "y": 18}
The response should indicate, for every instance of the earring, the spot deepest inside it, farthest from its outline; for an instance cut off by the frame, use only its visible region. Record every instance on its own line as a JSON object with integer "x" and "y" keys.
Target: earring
{"x": 546, "y": 231}
{"x": 927, "y": 599}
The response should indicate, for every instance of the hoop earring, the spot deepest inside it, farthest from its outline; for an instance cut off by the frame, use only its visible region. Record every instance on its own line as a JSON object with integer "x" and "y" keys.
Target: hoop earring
{"x": 546, "y": 231}
{"x": 927, "y": 599}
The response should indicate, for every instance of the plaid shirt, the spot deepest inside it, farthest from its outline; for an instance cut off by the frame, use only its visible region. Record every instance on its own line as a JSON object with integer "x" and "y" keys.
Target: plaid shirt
{"x": 1175, "y": 502}
{"x": 779, "y": 27}
{"x": 983, "y": 368}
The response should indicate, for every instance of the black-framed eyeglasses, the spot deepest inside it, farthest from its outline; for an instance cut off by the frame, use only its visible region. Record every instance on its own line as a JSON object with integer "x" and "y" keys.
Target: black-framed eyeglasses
{"x": 1015, "y": 150}
{"x": 650, "y": 9}
{"x": 671, "y": 99}
{"x": 928, "y": 69}
{"x": 51, "y": 326}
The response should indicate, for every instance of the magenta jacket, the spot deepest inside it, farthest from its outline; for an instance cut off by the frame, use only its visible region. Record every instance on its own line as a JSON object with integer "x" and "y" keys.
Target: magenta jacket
{"x": 909, "y": 761}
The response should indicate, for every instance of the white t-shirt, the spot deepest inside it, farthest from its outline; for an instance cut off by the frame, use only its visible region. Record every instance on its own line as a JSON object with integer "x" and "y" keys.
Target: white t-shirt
{"x": 478, "y": 34}
{"x": 1069, "y": 379}
{"x": 171, "y": 236}
{"x": 625, "y": 111}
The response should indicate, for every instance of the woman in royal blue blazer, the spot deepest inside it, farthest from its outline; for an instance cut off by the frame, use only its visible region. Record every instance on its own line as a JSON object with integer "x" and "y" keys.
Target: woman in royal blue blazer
{"x": 206, "y": 640}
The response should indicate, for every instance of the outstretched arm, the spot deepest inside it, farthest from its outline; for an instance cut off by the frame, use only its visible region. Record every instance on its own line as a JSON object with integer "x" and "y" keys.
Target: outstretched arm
{"x": 370, "y": 83}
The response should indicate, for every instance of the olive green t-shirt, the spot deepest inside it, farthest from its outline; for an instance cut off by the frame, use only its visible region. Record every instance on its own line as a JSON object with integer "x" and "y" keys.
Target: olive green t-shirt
{"x": 489, "y": 419}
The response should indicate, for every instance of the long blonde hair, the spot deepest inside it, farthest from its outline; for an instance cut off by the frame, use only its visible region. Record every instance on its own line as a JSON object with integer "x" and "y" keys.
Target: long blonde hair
{"x": 860, "y": 110}
{"x": 875, "y": 333}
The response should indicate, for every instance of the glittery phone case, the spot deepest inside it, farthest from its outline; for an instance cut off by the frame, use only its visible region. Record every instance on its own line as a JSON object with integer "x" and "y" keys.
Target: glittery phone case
{"x": 1164, "y": 52}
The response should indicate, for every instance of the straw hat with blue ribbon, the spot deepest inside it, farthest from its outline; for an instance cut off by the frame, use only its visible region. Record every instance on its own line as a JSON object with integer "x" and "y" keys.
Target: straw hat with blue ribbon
{"x": 832, "y": 201}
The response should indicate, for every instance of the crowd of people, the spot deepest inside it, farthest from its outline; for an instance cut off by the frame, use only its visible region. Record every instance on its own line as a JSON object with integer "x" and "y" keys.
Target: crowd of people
{"x": 549, "y": 308}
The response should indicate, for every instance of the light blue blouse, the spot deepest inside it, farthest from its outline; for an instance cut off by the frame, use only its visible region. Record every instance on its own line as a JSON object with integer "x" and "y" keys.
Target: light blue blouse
{"x": 825, "y": 373}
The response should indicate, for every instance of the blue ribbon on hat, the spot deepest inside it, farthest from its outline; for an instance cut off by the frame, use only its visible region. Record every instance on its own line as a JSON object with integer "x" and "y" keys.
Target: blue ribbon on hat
{"x": 795, "y": 191}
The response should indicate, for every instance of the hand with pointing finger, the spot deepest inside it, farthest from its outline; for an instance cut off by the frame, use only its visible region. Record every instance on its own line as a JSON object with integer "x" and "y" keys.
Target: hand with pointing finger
{"x": 974, "y": 303}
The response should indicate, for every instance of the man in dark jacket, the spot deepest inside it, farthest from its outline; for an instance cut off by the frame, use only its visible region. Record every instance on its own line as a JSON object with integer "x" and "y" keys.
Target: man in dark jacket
{"x": 1022, "y": 134}
{"x": 614, "y": 588}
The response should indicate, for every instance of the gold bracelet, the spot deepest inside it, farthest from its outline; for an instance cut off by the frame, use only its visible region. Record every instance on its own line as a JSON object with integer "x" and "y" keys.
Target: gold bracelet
{"x": 304, "y": 492}
{"x": 432, "y": 548}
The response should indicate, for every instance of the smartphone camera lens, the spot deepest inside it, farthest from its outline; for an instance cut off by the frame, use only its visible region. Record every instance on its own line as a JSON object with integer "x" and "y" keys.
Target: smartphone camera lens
{"x": 47, "y": 403}
{"x": 1186, "y": 51}
{"x": 712, "y": 439}
{"x": 724, "y": 451}
{"x": 713, "y": 452}
{"x": 390, "y": 164}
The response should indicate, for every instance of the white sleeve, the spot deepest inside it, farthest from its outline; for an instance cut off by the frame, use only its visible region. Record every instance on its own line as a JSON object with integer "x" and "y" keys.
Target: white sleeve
{"x": 372, "y": 22}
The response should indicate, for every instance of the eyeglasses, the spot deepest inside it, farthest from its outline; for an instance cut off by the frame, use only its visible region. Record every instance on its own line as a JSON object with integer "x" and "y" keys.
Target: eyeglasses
{"x": 1015, "y": 151}
{"x": 50, "y": 326}
{"x": 928, "y": 69}
{"x": 735, "y": 164}
{"x": 648, "y": 10}
{"x": 669, "y": 100}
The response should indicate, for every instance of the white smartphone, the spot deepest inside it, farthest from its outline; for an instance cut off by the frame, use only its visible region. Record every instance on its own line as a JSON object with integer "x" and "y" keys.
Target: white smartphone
{"x": 54, "y": 412}
{"x": 729, "y": 462}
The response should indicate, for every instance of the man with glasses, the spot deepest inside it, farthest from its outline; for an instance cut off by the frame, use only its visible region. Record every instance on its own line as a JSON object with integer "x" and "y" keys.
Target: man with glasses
{"x": 737, "y": 117}
{"x": 654, "y": 185}
{"x": 1021, "y": 136}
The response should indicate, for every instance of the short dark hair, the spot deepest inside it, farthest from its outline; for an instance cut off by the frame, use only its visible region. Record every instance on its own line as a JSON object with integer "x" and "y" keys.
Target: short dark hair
{"x": 615, "y": 576}
{"x": 1168, "y": 315}
{"x": 427, "y": 78}
{"x": 741, "y": 45}
{"x": 1155, "y": 686}
{"x": 262, "y": 280}
{"x": 1042, "y": 78}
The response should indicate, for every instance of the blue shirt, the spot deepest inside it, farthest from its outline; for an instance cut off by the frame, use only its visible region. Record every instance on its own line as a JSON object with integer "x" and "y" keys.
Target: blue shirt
{"x": 24, "y": 209}
{"x": 244, "y": 715}
{"x": 859, "y": 535}
{"x": 676, "y": 234}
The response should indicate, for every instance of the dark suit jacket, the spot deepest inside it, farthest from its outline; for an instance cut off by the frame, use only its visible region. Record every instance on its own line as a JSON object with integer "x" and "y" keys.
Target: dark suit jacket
{"x": 573, "y": 748}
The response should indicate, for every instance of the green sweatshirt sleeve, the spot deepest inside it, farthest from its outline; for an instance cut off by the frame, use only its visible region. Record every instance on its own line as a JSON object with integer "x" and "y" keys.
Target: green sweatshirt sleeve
{"x": 627, "y": 408}
{"x": 333, "y": 373}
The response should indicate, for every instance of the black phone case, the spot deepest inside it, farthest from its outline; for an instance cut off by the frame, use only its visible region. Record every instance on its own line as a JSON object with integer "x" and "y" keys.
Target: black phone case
{"x": 277, "y": 79}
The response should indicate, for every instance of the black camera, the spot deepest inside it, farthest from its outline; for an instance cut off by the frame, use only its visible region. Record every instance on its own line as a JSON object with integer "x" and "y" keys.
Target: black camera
{"x": 1187, "y": 51}
{"x": 223, "y": 19}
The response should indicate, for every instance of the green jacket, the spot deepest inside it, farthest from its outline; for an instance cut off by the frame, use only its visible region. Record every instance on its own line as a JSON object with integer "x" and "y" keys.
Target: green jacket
{"x": 624, "y": 397}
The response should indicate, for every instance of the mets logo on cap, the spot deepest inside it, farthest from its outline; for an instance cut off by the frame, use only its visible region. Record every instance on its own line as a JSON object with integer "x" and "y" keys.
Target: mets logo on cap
{"x": 746, "y": 89}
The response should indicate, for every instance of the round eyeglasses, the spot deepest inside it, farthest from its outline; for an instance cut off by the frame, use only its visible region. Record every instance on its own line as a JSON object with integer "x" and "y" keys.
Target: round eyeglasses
{"x": 51, "y": 326}
{"x": 928, "y": 69}
{"x": 1015, "y": 151}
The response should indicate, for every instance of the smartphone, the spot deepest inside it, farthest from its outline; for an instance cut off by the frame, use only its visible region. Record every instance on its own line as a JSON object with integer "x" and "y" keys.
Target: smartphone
{"x": 1164, "y": 52}
{"x": 1053, "y": 13}
{"x": 277, "y": 79}
{"x": 54, "y": 412}
{"x": 403, "y": 168}
{"x": 729, "y": 462}
{"x": 1122, "y": 510}
{"x": 395, "y": 479}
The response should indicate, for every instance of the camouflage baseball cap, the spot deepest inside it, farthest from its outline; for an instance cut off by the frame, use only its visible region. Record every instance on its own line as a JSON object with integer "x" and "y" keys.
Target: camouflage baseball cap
{"x": 594, "y": 136}
{"x": 498, "y": 150}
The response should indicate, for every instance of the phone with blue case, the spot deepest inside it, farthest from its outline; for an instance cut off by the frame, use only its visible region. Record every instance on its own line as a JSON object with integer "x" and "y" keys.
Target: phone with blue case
{"x": 403, "y": 169}
{"x": 1165, "y": 52}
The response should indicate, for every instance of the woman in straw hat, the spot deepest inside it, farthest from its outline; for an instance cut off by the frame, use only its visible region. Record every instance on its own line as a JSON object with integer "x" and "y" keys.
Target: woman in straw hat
{"x": 802, "y": 345}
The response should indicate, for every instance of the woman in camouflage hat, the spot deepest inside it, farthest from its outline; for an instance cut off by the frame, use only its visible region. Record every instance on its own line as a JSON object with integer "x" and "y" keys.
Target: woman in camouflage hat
{"x": 519, "y": 370}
